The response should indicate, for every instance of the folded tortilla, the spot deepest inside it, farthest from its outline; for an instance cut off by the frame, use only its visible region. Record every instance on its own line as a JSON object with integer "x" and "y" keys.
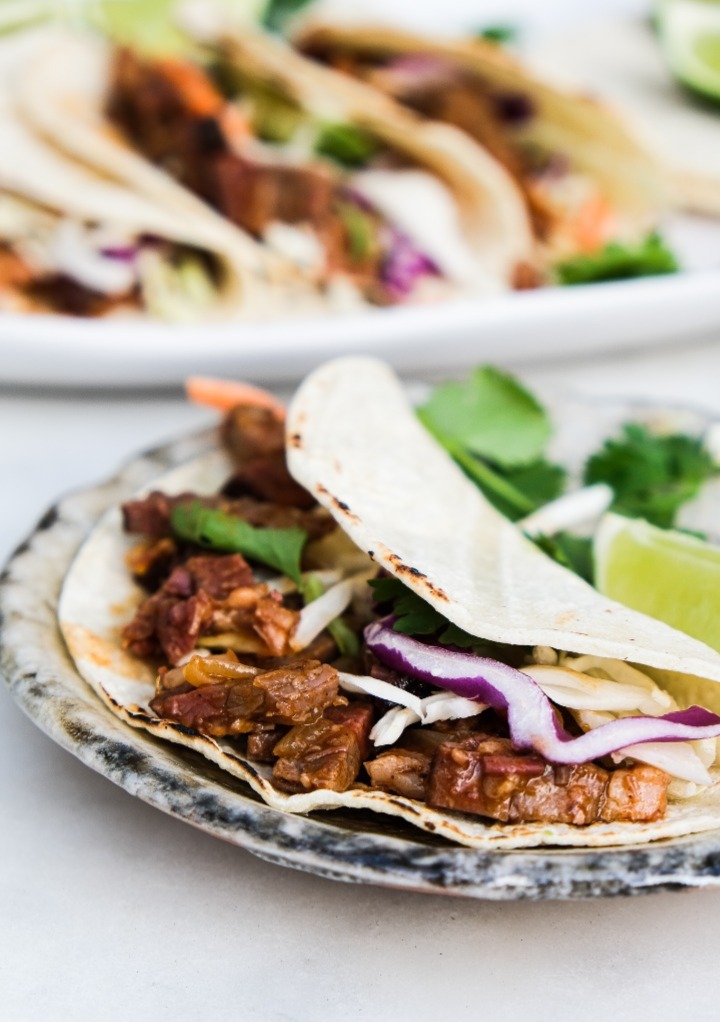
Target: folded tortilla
{"x": 354, "y": 441}
{"x": 62, "y": 94}
{"x": 59, "y": 185}
{"x": 592, "y": 135}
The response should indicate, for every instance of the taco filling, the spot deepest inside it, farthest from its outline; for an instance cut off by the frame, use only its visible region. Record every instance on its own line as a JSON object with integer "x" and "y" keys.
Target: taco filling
{"x": 272, "y": 634}
{"x": 543, "y": 138}
{"x": 330, "y": 197}
{"x": 55, "y": 263}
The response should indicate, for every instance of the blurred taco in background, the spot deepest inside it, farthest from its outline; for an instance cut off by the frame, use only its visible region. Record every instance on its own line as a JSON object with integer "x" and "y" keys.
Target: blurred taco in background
{"x": 327, "y": 175}
{"x": 586, "y": 179}
{"x": 79, "y": 241}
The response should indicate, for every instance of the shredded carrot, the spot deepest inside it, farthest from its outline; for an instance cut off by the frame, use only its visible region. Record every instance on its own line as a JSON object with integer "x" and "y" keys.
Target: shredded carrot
{"x": 234, "y": 123}
{"x": 592, "y": 224}
{"x": 226, "y": 394}
{"x": 196, "y": 89}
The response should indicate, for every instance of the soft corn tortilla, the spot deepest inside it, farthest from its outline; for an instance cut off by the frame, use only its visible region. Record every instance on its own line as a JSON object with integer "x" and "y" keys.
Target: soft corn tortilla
{"x": 355, "y": 442}
{"x": 593, "y": 134}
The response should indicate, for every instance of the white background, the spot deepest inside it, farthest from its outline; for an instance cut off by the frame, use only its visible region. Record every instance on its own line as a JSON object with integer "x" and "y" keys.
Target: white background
{"x": 110, "y": 910}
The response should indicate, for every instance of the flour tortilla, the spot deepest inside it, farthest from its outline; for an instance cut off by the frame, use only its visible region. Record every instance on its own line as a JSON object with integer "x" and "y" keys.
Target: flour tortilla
{"x": 34, "y": 169}
{"x": 594, "y": 135}
{"x": 353, "y": 439}
{"x": 58, "y": 91}
{"x": 62, "y": 94}
{"x": 622, "y": 61}
{"x": 494, "y": 219}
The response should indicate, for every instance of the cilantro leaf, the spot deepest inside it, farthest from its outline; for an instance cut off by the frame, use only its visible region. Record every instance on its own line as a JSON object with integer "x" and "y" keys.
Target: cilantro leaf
{"x": 489, "y": 414}
{"x": 648, "y": 258}
{"x": 413, "y": 616}
{"x": 651, "y": 476}
{"x": 573, "y": 552}
{"x": 278, "y": 12}
{"x": 278, "y": 548}
{"x": 500, "y": 34}
{"x": 346, "y": 144}
{"x": 539, "y": 483}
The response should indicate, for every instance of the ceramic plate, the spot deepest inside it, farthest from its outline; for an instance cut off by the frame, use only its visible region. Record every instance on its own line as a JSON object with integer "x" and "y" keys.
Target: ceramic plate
{"x": 356, "y": 847}
{"x": 559, "y": 322}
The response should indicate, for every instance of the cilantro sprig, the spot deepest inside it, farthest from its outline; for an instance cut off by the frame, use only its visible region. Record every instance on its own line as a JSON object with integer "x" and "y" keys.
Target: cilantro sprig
{"x": 278, "y": 548}
{"x": 651, "y": 476}
{"x": 496, "y": 431}
{"x": 648, "y": 258}
{"x": 413, "y": 616}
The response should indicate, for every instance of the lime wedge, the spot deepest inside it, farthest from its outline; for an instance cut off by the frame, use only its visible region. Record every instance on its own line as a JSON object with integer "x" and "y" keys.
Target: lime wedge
{"x": 690, "y": 34}
{"x": 668, "y": 575}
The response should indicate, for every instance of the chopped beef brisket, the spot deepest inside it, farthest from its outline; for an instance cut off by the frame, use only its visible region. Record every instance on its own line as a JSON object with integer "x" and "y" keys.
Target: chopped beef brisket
{"x": 290, "y": 696}
{"x": 254, "y": 195}
{"x": 359, "y": 717}
{"x": 261, "y": 745}
{"x": 174, "y": 114}
{"x": 487, "y": 777}
{"x": 63, "y": 294}
{"x": 400, "y": 771}
{"x": 324, "y": 754}
{"x": 172, "y": 619}
{"x": 249, "y": 431}
{"x": 267, "y": 478}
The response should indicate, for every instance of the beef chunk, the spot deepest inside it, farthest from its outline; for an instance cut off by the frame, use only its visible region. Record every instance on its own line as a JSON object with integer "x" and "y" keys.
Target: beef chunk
{"x": 325, "y": 754}
{"x": 294, "y": 695}
{"x": 289, "y": 696}
{"x": 274, "y": 623}
{"x": 227, "y": 708}
{"x": 359, "y": 717}
{"x": 266, "y": 477}
{"x": 216, "y": 574}
{"x": 174, "y": 114}
{"x": 149, "y": 516}
{"x": 252, "y": 432}
{"x": 402, "y": 771}
{"x": 637, "y": 793}
{"x": 261, "y": 745}
{"x": 170, "y": 111}
{"x": 253, "y": 194}
{"x": 172, "y": 620}
{"x": 60, "y": 293}
{"x": 489, "y": 778}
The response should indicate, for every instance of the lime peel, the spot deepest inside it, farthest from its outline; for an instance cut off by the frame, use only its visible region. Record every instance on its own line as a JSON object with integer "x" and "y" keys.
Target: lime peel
{"x": 668, "y": 575}
{"x": 690, "y": 34}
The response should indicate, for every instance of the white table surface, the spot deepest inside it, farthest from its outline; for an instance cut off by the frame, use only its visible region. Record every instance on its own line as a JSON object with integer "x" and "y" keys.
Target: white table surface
{"x": 110, "y": 910}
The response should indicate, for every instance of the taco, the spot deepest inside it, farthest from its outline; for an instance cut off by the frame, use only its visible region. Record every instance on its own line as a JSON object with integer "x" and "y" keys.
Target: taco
{"x": 73, "y": 240}
{"x": 586, "y": 178}
{"x": 327, "y": 176}
{"x": 531, "y": 711}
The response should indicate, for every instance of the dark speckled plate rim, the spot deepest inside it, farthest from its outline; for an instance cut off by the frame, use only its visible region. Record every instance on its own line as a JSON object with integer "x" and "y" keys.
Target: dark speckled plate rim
{"x": 42, "y": 679}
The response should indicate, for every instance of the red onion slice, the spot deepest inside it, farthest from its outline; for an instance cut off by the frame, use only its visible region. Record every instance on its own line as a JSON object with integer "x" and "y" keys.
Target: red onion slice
{"x": 531, "y": 717}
